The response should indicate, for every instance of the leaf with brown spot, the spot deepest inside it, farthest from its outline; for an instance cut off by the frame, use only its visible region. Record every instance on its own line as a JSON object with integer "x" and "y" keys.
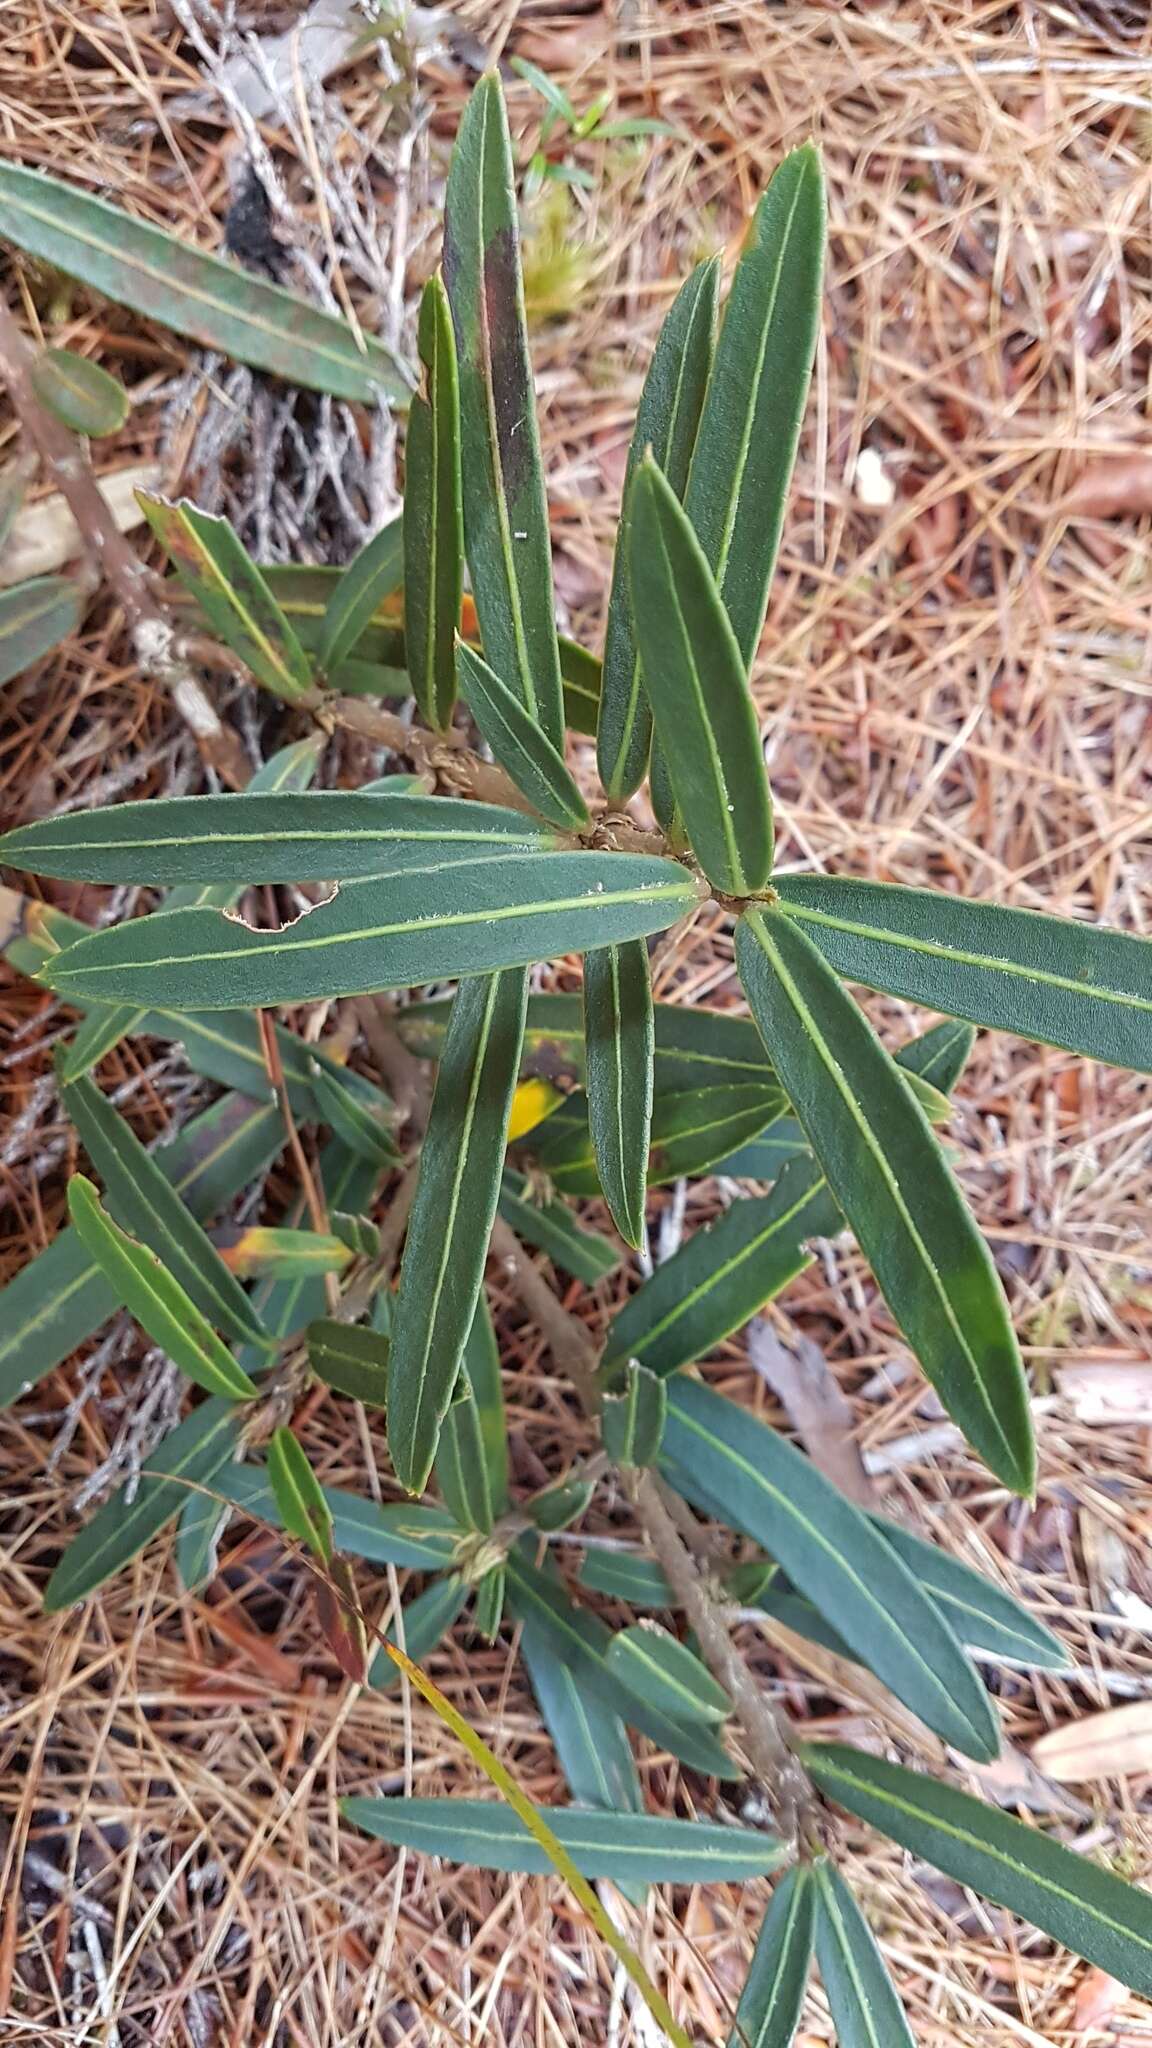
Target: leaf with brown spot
{"x": 341, "y": 1619}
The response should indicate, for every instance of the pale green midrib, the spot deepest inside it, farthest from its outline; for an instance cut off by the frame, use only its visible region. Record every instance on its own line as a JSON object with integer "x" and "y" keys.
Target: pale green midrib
{"x": 1091, "y": 992}
{"x": 433, "y": 568}
{"x": 665, "y": 1678}
{"x": 617, "y": 1064}
{"x": 244, "y": 317}
{"x": 282, "y": 662}
{"x": 144, "y": 1499}
{"x": 840, "y": 1081}
{"x": 48, "y": 602}
{"x": 660, "y": 1142}
{"x": 660, "y": 892}
{"x": 838, "y": 1559}
{"x": 576, "y": 1704}
{"x": 835, "y": 1918}
{"x": 715, "y": 1279}
{"x": 488, "y": 383}
{"x": 738, "y": 878}
{"x": 48, "y": 1310}
{"x": 755, "y": 1854}
{"x": 995, "y": 1854}
{"x": 202, "y": 1339}
{"x": 784, "y": 1957}
{"x": 495, "y": 840}
{"x": 432, "y": 1300}
{"x": 207, "y": 1274}
{"x": 721, "y": 565}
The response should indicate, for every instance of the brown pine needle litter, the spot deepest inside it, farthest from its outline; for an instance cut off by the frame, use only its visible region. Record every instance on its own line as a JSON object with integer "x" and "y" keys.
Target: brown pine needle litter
{"x": 956, "y": 683}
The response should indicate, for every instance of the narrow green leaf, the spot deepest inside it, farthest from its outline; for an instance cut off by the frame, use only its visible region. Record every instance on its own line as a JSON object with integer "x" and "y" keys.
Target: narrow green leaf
{"x": 365, "y": 1128}
{"x": 352, "y": 1360}
{"x": 627, "y": 1576}
{"x": 652, "y": 1663}
{"x": 489, "y": 1836}
{"x": 866, "y": 2011}
{"x": 304, "y": 1511}
{"x": 580, "y": 1640}
{"x": 481, "y": 1372}
{"x": 582, "y": 675}
{"x": 35, "y": 617}
{"x": 552, "y": 1228}
{"x": 78, "y": 392}
{"x": 525, "y": 752}
{"x": 201, "y": 298}
{"x": 752, "y": 1479}
{"x": 559, "y": 1506}
{"x": 162, "y": 1308}
{"x": 746, "y": 446}
{"x": 434, "y": 516}
{"x": 287, "y": 1306}
{"x": 773, "y": 1996}
{"x": 143, "y": 1201}
{"x": 452, "y": 1215}
{"x": 371, "y": 576}
{"x": 723, "y": 1274}
{"x": 215, "y": 567}
{"x": 891, "y": 1180}
{"x": 191, "y": 1456}
{"x": 939, "y": 1055}
{"x": 505, "y": 509}
{"x": 323, "y": 835}
{"x": 1079, "y": 986}
{"x": 427, "y": 1620}
{"x": 1069, "y": 1897}
{"x": 632, "y": 1423}
{"x": 694, "y": 676}
{"x": 620, "y": 1037}
{"x": 461, "y": 1469}
{"x": 691, "y": 1131}
{"x": 430, "y": 924}
{"x": 488, "y": 1603}
{"x": 198, "y": 1529}
{"x": 590, "y": 1740}
{"x": 95, "y": 1037}
{"x": 54, "y": 1303}
{"x": 419, "y": 1538}
{"x": 254, "y": 1251}
{"x": 666, "y": 422}
{"x": 981, "y": 1614}
{"x": 358, "y": 1233}
{"x": 220, "y": 1152}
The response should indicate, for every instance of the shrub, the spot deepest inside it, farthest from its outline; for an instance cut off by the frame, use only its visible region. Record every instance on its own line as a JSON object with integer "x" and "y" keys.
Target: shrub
{"x": 800, "y": 1099}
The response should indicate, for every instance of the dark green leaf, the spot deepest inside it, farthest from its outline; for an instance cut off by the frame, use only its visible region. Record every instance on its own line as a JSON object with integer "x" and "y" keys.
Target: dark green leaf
{"x": 202, "y": 298}
{"x": 485, "y": 1389}
{"x": 95, "y": 1037}
{"x": 627, "y": 1576}
{"x": 428, "y": 925}
{"x": 657, "y": 1667}
{"x": 866, "y": 2011}
{"x": 79, "y": 392}
{"x": 371, "y": 576}
{"x": 690, "y": 1132}
{"x": 322, "y": 835}
{"x": 746, "y": 445}
{"x": 489, "y": 1836}
{"x": 287, "y": 1306}
{"x": 559, "y": 1506}
{"x": 525, "y": 753}
{"x": 666, "y": 422}
{"x": 619, "y": 1037}
{"x": 461, "y": 1470}
{"x": 580, "y": 1640}
{"x": 982, "y": 1616}
{"x": 434, "y": 516}
{"x": 162, "y": 1308}
{"x": 590, "y": 1740}
{"x": 191, "y": 1456}
{"x": 582, "y": 677}
{"x": 426, "y": 1621}
{"x": 223, "y": 580}
{"x": 723, "y": 1274}
{"x": 890, "y": 1178}
{"x": 505, "y": 509}
{"x": 304, "y": 1511}
{"x": 35, "y": 617}
{"x": 773, "y": 1996}
{"x": 423, "y": 1539}
{"x": 366, "y": 1129}
{"x": 552, "y": 1228}
{"x": 632, "y": 1423}
{"x": 352, "y": 1360}
{"x": 142, "y": 1199}
{"x": 359, "y": 1233}
{"x": 751, "y": 1478}
{"x": 1068, "y": 1896}
{"x": 452, "y": 1215}
{"x": 1074, "y": 985}
{"x": 198, "y": 1530}
{"x": 939, "y": 1055}
{"x": 694, "y": 677}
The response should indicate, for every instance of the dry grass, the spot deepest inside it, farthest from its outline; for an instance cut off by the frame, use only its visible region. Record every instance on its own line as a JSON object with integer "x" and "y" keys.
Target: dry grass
{"x": 957, "y": 688}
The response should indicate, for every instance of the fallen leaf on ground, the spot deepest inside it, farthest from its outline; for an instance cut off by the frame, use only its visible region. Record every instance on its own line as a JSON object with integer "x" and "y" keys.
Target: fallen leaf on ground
{"x": 1112, "y": 1744}
{"x": 1108, "y": 489}
{"x": 1097, "y": 1999}
{"x": 1107, "y": 1393}
{"x": 1013, "y": 1779}
{"x": 804, "y": 1384}
{"x": 44, "y": 536}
